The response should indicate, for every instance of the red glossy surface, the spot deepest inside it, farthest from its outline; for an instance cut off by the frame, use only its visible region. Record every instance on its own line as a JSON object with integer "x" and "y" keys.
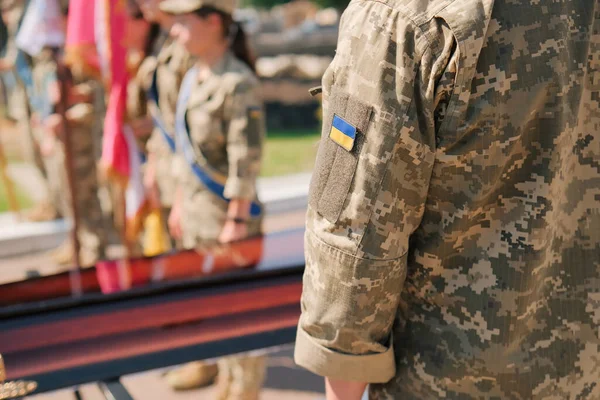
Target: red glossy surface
{"x": 147, "y": 317}
{"x": 269, "y": 252}
{"x": 165, "y": 319}
{"x": 94, "y": 351}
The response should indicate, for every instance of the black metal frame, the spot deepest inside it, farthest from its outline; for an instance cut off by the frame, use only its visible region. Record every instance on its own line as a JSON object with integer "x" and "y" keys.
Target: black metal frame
{"x": 110, "y": 372}
{"x": 114, "y": 390}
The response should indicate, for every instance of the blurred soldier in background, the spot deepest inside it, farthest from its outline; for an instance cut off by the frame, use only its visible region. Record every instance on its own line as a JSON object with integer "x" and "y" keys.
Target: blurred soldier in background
{"x": 142, "y": 39}
{"x": 43, "y": 36}
{"x": 161, "y": 75}
{"x": 25, "y": 103}
{"x": 39, "y": 40}
{"x": 219, "y": 126}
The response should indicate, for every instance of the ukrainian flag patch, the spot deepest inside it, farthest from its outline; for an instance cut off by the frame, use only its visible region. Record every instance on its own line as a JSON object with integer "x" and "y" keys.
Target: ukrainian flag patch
{"x": 343, "y": 133}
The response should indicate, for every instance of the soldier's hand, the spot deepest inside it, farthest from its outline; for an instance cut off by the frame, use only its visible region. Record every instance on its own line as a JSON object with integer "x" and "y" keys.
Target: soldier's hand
{"x": 151, "y": 186}
{"x": 232, "y": 232}
{"x": 53, "y": 91}
{"x": 35, "y": 120}
{"x": 82, "y": 93}
{"x": 47, "y": 146}
{"x": 4, "y": 66}
{"x": 142, "y": 127}
{"x": 343, "y": 390}
{"x": 175, "y": 222}
{"x": 53, "y": 125}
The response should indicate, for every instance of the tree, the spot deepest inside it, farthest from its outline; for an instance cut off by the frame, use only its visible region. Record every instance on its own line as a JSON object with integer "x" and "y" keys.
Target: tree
{"x": 339, "y": 4}
{"x": 264, "y": 3}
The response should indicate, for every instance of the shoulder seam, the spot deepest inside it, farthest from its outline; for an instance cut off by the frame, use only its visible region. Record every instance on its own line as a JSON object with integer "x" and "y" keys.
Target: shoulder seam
{"x": 422, "y": 35}
{"x": 418, "y": 26}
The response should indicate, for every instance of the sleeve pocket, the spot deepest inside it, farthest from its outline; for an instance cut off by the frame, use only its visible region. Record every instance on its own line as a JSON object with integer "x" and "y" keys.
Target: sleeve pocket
{"x": 335, "y": 166}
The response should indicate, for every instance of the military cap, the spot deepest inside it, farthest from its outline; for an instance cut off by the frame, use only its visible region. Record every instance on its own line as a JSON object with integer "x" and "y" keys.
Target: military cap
{"x": 188, "y": 6}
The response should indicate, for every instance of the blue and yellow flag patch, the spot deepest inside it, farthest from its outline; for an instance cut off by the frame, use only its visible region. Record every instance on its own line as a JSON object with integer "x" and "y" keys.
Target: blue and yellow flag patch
{"x": 342, "y": 132}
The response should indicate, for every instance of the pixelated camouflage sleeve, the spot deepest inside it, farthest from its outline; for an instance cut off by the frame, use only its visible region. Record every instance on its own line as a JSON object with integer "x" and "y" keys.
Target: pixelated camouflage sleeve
{"x": 146, "y": 71}
{"x": 245, "y": 135}
{"x": 368, "y": 189}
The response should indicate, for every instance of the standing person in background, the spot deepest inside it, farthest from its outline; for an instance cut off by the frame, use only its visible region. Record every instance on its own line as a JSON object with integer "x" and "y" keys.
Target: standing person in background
{"x": 142, "y": 40}
{"x": 84, "y": 121}
{"x": 219, "y": 126}
{"x": 5, "y": 34}
{"x": 453, "y": 230}
{"x": 160, "y": 75}
{"x": 40, "y": 39}
{"x": 29, "y": 103}
{"x": 12, "y": 15}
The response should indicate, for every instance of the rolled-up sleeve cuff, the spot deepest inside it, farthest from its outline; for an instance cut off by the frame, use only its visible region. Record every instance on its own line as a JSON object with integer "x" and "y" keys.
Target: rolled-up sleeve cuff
{"x": 369, "y": 368}
{"x": 237, "y": 188}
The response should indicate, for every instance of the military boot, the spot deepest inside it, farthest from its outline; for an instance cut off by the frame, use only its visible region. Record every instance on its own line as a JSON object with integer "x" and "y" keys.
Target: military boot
{"x": 193, "y": 375}
{"x": 241, "y": 377}
{"x": 63, "y": 255}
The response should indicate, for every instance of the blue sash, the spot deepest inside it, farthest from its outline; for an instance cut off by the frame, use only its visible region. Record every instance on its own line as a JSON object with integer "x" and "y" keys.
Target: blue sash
{"x": 45, "y": 107}
{"x": 211, "y": 179}
{"x": 38, "y": 97}
{"x": 24, "y": 72}
{"x": 155, "y": 112}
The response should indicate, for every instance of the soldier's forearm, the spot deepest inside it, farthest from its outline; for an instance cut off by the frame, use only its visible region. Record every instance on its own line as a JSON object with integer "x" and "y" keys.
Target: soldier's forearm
{"x": 344, "y": 390}
{"x": 239, "y": 208}
{"x": 5, "y": 65}
{"x": 9, "y": 60}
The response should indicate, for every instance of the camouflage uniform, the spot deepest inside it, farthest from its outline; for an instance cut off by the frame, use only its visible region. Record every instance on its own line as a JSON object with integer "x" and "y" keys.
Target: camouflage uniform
{"x": 43, "y": 74}
{"x": 224, "y": 127}
{"x": 136, "y": 106}
{"x": 171, "y": 63}
{"x": 83, "y": 125}
{"x": 47, "y": 209}
{"x": 21, "y": 107}
{"x": 15, "y": 94}
{"x": 84, "y": 121}
{"x": 454, "y": 251}
{"x": 225, "y": 118}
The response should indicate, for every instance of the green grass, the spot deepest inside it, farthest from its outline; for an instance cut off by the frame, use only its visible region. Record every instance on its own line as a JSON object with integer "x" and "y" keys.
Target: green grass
{"x": 290, "y": 152}
{"x": 24, "y": 200}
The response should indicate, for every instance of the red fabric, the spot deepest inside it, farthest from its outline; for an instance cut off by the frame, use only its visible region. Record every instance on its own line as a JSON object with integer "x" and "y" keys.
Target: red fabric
{"x": 80, "y": 44}
{"x": 112, "y": 15}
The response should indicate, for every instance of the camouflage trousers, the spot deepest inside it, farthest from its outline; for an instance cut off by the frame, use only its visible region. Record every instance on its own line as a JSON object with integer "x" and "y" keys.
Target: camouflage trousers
{"x": 32, "y": 137}
{"x": 34, "y": 152}
{"x": 241, "y": 377}
{"x": 91, "y": 231}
